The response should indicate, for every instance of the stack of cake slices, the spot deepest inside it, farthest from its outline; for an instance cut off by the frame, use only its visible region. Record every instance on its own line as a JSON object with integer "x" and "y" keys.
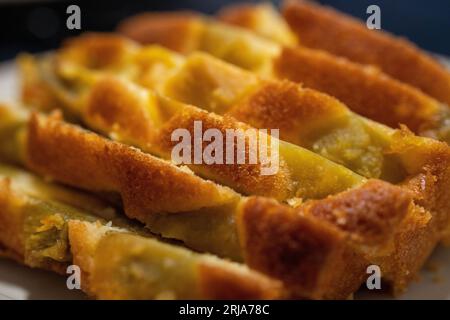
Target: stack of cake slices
{"x": 88, "y": 175}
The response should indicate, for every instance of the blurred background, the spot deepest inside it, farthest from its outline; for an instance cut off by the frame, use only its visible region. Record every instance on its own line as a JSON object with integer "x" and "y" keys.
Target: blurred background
{"x": 37, "y": 25}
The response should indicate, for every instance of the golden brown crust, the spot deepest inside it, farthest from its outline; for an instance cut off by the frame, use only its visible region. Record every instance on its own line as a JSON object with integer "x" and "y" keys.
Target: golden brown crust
{"x": 83, "y": 239}
{"x": 241, "y": 15}
{"x": 245, "y": 178}
{"x": 86, "y": 160}
{"x": 371, "y": 212}
{"x": 324, "y": 28}
{"x": 217, "y": 282}
{"x": 364, "y": 90}
{"x": 277, "y": 242}
{"x": 422, "y": 229}
{"x": 427, "y": 162}
{"x": 177, "y": 31}
{"x": 381, "y": 222}
{"x": 286, "y": 105}
{"x": 414, "y": 242}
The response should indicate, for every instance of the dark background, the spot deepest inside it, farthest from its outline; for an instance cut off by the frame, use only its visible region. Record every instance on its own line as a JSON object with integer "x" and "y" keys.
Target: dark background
{"x": 41, "y": 25}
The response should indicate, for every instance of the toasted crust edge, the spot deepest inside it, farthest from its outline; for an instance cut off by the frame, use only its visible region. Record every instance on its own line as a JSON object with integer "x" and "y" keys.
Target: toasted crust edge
{"x": 325, "y": 28}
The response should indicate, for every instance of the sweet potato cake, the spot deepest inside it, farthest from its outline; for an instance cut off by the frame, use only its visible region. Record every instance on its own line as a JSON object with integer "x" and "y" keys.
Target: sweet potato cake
{"x": 364, "y": 89}
{"x": 305, "y": 117}
{"x": 257, "y": 230}
{"x": 310, "y": 230}
{"x": 48, "y": 226}
{"x": 107, "y": 116}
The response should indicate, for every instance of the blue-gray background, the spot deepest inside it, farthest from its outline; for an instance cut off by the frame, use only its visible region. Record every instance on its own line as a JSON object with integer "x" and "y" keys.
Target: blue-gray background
{"x": 40, "y": 25}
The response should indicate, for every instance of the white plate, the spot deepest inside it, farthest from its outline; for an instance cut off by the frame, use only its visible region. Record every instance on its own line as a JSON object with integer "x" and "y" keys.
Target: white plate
{"x": 18, "y": 282}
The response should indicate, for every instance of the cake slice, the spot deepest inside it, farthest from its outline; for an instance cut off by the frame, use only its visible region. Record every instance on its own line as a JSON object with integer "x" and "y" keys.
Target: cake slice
{"x": 46, "y": 226}
{"x": 123, "y": 265}
{"x": 323, "y": 28}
